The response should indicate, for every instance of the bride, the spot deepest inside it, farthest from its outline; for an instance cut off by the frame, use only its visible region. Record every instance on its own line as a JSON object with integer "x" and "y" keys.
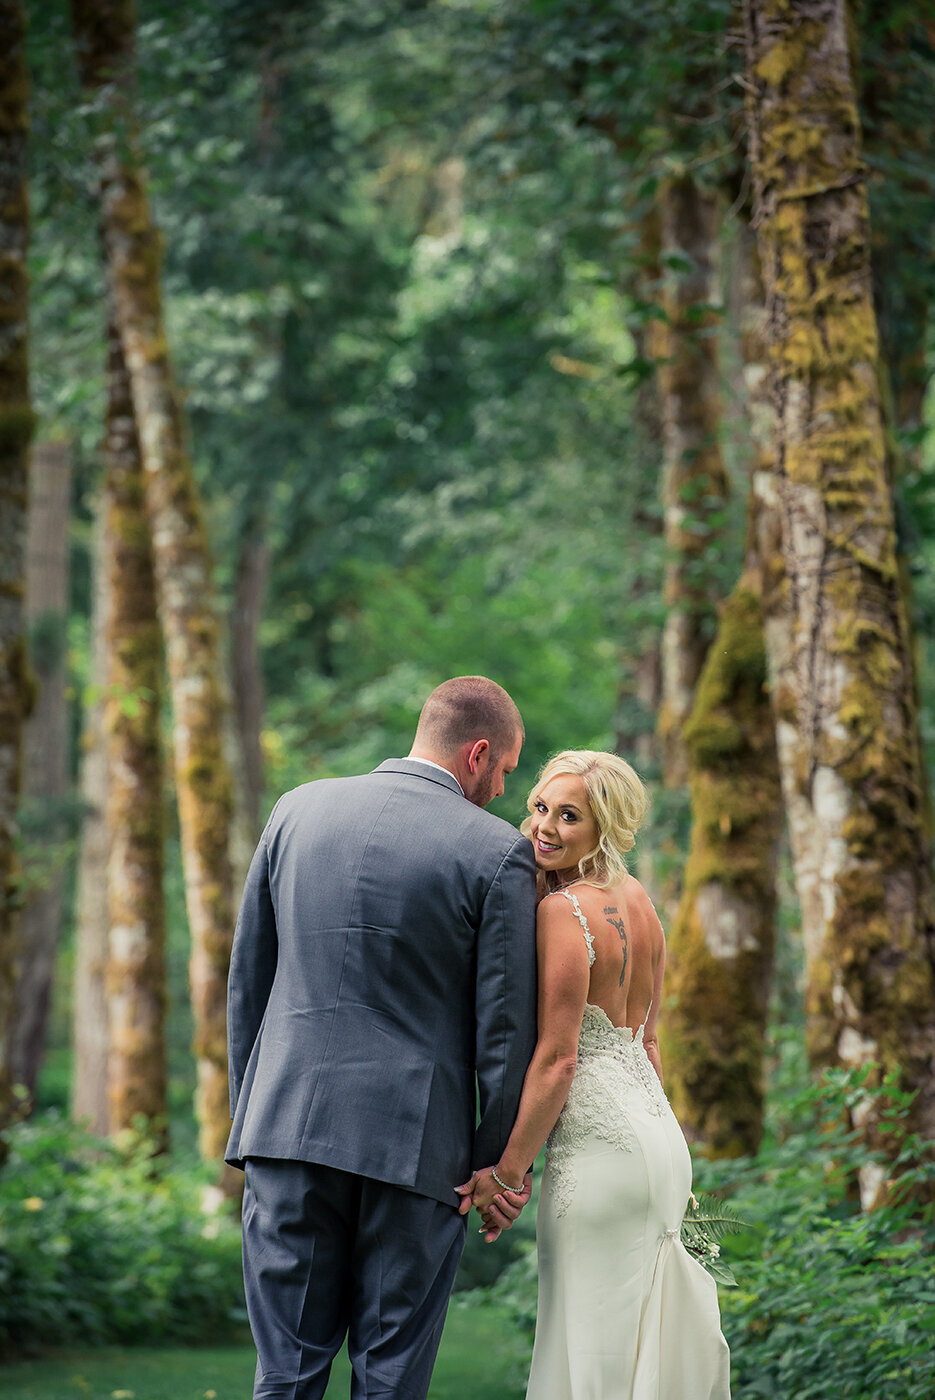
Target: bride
{"x": 625, "y": 1312}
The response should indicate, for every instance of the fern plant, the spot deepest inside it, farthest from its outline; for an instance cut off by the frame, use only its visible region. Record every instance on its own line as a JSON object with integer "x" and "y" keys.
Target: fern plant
{"x": 705, "y": 1223}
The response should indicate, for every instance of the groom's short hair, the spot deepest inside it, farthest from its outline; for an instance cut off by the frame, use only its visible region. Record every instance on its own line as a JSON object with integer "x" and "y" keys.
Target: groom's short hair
{"x": 467, "y": 708}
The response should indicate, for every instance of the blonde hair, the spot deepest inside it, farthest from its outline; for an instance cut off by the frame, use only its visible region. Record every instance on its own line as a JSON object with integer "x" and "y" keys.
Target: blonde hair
{"x": 618, "y": 802}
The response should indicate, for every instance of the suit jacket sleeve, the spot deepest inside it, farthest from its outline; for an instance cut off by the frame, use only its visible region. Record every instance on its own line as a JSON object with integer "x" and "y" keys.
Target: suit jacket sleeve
{"x": 505, "y": 999}
{"x": 252, "y": 968}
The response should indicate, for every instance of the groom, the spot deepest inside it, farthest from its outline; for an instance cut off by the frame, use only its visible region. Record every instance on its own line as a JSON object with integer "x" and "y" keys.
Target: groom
{"x": 383, "y": 965}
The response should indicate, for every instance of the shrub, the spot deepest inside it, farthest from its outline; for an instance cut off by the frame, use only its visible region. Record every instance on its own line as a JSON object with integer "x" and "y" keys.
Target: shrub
{"x": 833, "y": 1303}
{"x": 100, "y": 1244}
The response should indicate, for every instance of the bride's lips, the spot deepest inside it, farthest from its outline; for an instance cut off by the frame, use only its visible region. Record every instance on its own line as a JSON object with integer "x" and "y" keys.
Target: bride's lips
{"x": 545, "y": 847}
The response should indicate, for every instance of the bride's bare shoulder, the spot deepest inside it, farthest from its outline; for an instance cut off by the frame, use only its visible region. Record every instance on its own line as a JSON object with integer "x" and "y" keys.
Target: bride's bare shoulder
{"x": 638, "y": 904}
{"x": 555, "y": 903}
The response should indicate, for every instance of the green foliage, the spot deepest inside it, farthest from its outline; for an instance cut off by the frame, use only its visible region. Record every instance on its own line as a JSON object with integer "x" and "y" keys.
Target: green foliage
{"x": 832, "y": 1302}
{"x": 102, "y": 1243}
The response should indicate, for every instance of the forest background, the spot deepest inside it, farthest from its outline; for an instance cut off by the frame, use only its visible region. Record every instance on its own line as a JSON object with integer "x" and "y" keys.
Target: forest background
{"x": 475, "y": 338}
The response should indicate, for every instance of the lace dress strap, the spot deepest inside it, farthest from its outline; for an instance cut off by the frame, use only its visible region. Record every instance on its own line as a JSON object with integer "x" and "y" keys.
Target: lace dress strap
{"x": 569, "y": 894}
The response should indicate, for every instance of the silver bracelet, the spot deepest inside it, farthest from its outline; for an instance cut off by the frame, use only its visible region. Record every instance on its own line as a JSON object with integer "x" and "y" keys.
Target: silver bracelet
{"x": 517, "y": 1189}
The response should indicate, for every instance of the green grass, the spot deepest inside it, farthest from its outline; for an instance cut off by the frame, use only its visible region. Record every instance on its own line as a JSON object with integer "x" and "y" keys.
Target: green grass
{"x": 479, "y": 1355}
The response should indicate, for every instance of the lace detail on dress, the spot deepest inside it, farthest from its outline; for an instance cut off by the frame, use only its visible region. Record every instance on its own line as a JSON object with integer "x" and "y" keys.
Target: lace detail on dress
{"x": 584, "y": 924}
{"x": 613, "y": 1075}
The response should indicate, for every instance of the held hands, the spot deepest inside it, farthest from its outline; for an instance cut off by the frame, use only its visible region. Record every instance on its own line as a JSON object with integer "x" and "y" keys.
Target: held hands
{"x": 497, "y": 1208}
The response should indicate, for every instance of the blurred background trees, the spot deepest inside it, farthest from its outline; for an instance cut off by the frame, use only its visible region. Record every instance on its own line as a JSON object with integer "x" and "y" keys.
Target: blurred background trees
{"x": 489, "y": 325}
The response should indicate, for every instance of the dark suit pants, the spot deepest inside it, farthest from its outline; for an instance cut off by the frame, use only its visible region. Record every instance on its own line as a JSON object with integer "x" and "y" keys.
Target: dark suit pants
{"x": 328, "y": 1254}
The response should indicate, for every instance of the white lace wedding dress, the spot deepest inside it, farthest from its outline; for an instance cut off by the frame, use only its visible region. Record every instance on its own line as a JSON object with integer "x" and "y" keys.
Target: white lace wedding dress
{"x": 625, "y": 1312}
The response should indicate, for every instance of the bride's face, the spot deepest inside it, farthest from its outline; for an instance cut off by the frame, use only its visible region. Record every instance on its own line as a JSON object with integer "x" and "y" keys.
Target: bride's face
{"x": 562, "y": 828}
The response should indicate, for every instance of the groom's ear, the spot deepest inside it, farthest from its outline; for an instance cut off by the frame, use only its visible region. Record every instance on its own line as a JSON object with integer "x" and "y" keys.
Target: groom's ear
{"x": 476, "y": 753}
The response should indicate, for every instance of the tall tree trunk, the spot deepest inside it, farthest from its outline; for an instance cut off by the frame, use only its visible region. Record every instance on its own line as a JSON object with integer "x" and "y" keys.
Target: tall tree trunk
{"x": 45, "y": 758}
{"x": 246, "y": 699}
{"x": 837, "y": 630}
{"x": 722, "y": 939}
{"x": 246, "y": 676}
{"x": 902, "y": 226}
{"x": 136, "y": 970}
{"x": 640, "y": 687}
{"x": 694, "y": 480}
{"x": 902, "y": 246}
{"x": 104, "y": 34}
{"x": 16, "y": 425}
{"x": 92, "y": 934}
{"x": 721, "y": 944}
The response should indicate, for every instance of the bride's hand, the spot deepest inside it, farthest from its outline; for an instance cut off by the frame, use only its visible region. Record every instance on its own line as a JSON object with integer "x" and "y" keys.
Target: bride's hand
{"x": 497, "y": 1208}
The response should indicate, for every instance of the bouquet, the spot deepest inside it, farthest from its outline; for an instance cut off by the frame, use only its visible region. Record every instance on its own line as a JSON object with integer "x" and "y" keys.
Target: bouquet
{"x": 705, "y": 1223}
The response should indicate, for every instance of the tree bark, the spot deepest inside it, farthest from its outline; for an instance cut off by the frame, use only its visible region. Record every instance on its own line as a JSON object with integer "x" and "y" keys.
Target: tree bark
{"x": 45, "y": 754}
{"x": 104, "y": 34}
{"x": 136, "y": 970}
{"x": 246, "y": 676}
{"x": 902, "y": 237}
{"x": 836, "y": 624}
{"x": 721, "y": 944}
{"x": 640, "y": 687}
{"x": 16, "y": 426}
{"x": 694, "y": 480}
{"x": 92, "y": 934}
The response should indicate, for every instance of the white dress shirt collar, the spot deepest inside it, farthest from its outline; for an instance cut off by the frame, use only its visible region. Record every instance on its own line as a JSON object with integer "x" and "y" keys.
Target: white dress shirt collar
{"x": 439, "y": 766}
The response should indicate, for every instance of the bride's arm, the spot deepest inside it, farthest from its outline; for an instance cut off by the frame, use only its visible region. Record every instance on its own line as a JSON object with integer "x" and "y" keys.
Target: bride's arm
{"x": 650, "y": 1035}
{"x": 564, "y": 977}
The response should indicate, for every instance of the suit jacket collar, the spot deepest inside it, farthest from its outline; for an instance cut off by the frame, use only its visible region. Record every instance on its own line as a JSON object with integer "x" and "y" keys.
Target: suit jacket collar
{"x": 421, "y": 770}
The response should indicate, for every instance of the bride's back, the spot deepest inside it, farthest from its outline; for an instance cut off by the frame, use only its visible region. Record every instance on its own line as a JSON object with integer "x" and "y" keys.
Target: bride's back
{"x": 629, "y": 950}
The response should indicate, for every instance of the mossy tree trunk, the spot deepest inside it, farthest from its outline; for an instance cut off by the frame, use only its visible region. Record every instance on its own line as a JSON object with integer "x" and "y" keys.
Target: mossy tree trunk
{"x": 90, "y": 1036}
{"x": 45, "y": 755}
{"x": 721, "y": 943}
{"x": 837, "y": 629}
{"x": 722, "y": 938}
{"x": 104, "y": 35}
{"x": 136, "y": 970}
{"x": 694, "y": 480}
{"x": 16, "y": 424}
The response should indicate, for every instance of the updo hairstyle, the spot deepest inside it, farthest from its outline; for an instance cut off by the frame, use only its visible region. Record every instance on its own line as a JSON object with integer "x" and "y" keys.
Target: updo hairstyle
{"x": 618, "y": 802}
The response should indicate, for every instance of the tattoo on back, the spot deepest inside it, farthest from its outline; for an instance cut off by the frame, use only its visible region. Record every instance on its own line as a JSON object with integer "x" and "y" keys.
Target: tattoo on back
{"x": 613, "y": 918}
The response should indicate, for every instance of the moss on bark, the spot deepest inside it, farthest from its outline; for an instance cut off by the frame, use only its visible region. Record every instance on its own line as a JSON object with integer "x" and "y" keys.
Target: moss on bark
{"x": 136, "y": 973}
{"x": 104, "y": 36}
{"x": 852, "y": 773}
{"x": 721, "y": 944}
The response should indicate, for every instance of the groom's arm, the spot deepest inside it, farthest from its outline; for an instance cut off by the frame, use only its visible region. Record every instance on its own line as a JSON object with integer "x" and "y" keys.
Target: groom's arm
{"x": 252, "y": 967}
{"x": 505, "y": 998}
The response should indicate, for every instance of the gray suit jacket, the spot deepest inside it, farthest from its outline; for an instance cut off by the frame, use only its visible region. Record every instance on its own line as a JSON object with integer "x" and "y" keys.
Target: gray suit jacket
{"x": 383, "y": 965}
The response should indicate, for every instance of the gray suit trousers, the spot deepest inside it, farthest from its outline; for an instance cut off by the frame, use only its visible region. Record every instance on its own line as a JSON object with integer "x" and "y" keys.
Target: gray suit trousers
{"x": 329, "y": 1254}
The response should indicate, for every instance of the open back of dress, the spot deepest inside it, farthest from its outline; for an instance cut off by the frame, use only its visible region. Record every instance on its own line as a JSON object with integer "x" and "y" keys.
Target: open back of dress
{"x": 625, "y": 1312}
